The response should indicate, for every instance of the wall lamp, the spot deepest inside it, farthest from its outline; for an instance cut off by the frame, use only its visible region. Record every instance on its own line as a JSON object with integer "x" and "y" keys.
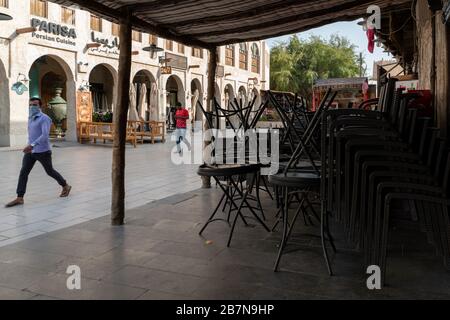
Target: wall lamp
{"x": 153, "y": 49}
{"x": 5, "y": 17}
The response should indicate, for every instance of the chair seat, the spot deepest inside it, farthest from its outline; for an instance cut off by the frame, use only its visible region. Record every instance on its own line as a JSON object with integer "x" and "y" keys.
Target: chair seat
{"x": 226, "y": 170}
{"x": 302, "y": 165}
{"x": 295, "y": 179}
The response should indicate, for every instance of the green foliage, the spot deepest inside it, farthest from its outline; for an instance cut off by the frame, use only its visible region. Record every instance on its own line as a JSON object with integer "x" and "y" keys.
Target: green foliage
{"x": 296, "y": 64}
{"x": 102, "y": 117}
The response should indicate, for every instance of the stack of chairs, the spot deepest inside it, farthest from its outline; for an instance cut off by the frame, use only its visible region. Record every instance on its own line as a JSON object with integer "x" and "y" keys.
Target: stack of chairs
{"x": 240, "y": 179}
{"x": 371, "y": 158}
{"x": 300, "y": 176}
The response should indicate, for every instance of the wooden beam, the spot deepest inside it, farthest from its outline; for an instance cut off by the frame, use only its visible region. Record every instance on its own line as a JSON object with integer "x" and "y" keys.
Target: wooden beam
{"x": 26, "y": 30}
{"x": 305, "y": 27}
{"x": 345, "y": 7}
{"x": 168, "y": 34}
{"x": 138, "y": 23}
{"x": 154, "y": 5}
{"x": 283, "y": 33}
{"x": 212, "y": 67}
{"x": 241, "y": 15}
{"x": 120, "y": 122}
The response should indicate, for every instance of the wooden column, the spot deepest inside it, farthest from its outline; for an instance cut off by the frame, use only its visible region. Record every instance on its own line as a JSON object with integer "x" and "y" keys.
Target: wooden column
{"x": 442, "y": 56}
{"x": 120, "y": 122}
{"x": 212, "y": 68}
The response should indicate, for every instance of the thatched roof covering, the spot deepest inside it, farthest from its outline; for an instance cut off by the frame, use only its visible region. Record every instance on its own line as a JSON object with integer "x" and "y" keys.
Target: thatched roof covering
{"x": 208, "y": 23}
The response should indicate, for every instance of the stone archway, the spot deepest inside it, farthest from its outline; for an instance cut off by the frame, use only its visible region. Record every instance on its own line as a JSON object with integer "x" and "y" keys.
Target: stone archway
{"x": 242, "y": 96}
{"x": 149, "y": 109}
{"x": 5, "y": 140}
{"x": 103, "y": 86}
{"x": 175, "y": 91}
{"x": 229, "y": 96}
{"x": 217, "y": 94}
{"x": 197, "y": 95}
{"x": 50, "y": 76}
{"x": 255, "y": 93}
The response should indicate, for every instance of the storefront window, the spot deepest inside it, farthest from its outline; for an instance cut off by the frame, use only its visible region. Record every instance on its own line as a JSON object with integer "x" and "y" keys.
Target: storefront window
{"x": 115, "y": 29}
{"x": 229, "y": 55}
{"x": 136, "y": 36}
{"x": 153, "y": 39}
{"x": 39, "y": 8}
{"x": 4, "y": 3}
{"x": 67, "y": 15}
{"x": 169, "y": 45}
{"x": 96, "y": 23}
{"x": 181, "y": 48}
{"x": 197, "y": 52}
{"x": 255, "y": 58}
{"x": 243, "y": 56}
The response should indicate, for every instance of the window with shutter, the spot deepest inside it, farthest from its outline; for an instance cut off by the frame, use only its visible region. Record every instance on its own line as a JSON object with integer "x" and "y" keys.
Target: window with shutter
{"x": 96, "y": 23}
{"x": 67, "y": 15}
{"x": 39, "y": 8}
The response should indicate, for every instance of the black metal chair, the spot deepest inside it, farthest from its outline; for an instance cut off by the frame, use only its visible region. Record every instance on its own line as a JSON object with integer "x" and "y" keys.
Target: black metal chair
{"x": 237, "y": 181}
{"x": 230, "y": 175}
{"x": 299, "y": 184}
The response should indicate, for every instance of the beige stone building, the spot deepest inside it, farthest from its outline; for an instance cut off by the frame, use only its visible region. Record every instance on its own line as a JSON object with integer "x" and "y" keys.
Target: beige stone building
{"x": 76, "y": 51}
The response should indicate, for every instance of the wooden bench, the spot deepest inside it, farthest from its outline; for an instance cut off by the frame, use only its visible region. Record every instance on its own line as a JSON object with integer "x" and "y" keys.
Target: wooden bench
{"x": 150, "y": 129}
{"x": 104, "y": 131}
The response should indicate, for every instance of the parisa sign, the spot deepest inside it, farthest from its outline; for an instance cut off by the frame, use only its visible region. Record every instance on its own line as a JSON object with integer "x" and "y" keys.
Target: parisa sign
{"x": 53, "y": 28}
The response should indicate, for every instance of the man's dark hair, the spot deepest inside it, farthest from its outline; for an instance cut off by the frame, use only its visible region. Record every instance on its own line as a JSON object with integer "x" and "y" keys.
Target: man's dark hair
{"x": 37, "y": 99}
{"x": 179, "y": 105}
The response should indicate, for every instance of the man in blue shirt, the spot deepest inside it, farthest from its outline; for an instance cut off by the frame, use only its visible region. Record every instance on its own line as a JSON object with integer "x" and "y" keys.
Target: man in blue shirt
{"x": 38, "y": 149}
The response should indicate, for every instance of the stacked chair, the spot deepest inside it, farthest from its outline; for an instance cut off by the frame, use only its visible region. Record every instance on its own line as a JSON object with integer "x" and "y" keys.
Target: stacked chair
{"x": 298, "y": 179}
{"x": 237, "y": 181}
{"x": 373, "y": 155}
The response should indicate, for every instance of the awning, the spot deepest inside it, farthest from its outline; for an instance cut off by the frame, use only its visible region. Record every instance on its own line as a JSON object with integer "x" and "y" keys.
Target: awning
{"x": 209, "y": 23}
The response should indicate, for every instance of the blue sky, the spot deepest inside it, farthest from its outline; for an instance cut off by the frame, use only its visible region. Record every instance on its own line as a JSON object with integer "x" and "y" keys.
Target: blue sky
{"x": 352, "y": 31}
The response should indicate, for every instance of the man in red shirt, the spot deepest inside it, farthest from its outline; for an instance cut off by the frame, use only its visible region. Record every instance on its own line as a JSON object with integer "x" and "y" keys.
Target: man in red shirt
{"x": 181, "y": 117}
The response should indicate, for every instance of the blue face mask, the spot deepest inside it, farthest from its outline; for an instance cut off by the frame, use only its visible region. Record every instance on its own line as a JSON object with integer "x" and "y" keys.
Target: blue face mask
{"x": 34, "y": 111}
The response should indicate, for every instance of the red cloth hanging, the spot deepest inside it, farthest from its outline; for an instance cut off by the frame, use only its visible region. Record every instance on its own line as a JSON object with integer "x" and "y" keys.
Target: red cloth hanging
{"x": 371, "y": 38}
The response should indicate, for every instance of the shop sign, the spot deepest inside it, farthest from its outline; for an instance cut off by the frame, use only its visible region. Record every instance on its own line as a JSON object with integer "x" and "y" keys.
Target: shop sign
{"x": 176, "y": 61}
{"x": 166, "y": 70}
{"x": 53, "y": 32}
{"x": 109, "y": 46}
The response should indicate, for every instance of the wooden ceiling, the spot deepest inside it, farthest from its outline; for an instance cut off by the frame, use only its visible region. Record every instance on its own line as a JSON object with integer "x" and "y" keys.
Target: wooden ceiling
{"x": 209, "y": 23}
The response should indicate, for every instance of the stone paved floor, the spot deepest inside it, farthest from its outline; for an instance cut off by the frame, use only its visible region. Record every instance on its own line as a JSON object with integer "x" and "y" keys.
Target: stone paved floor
{"x": 150, "y": 175}
{"x": 158, "y": 255}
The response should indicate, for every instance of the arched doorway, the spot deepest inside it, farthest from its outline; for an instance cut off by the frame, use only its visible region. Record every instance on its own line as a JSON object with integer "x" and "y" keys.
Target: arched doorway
{"x": 175, "y": 91}
{"x": 217, "y": 94}
{"x": 146, "y": 95}
{"x": 102, "y": 86}
{"x": 51, "y": 80}
{"x": 242, "y": 96}
{"x": 255, "y": 93}
{"x": 4, "y": 108}
{"x": 197, "y": 95}
{"x": 229, "y": 95}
